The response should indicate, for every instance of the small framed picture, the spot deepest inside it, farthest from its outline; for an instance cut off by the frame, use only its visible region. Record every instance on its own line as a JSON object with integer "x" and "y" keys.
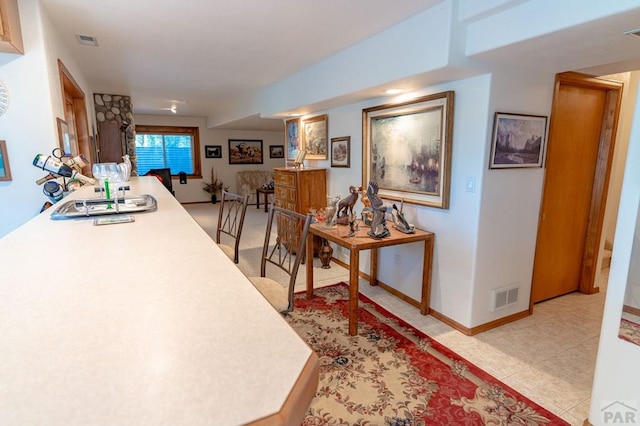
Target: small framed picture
{"x": 518, "y": 141}
{"x": 213, "y": 151}
{"x": 276, "y": 151}
{"x": 341, "y": 152}
{"x": 5, "y": 170}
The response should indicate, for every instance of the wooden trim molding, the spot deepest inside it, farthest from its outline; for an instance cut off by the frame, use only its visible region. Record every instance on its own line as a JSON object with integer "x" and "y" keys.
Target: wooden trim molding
{"x": 631, "y": 310}
{"x": 443, "y": 318}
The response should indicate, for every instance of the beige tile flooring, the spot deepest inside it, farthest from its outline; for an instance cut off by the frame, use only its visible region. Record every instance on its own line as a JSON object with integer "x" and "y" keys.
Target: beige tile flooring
{"x": 549, "y": 356}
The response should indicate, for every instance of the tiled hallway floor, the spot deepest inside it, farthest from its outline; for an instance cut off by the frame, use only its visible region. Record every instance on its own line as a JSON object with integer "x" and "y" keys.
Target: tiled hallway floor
{"x": 549, "y": 356}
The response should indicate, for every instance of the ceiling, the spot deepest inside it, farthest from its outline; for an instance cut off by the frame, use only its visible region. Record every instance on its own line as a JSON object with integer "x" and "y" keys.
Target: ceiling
{"x": 201, "y": 55}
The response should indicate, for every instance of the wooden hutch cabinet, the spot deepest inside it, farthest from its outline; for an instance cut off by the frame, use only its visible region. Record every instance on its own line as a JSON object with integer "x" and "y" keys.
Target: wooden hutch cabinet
{"x": 301, "y": 190}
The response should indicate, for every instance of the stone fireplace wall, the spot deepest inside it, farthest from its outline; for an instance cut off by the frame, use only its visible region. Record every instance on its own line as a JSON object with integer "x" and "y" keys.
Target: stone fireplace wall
{"x": 119, "y": 109}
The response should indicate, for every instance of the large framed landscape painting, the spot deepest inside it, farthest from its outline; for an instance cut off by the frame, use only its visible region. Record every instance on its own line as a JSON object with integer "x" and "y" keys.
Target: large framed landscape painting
{"x": 518, "y": 141}
{"x": 407, "y": 149}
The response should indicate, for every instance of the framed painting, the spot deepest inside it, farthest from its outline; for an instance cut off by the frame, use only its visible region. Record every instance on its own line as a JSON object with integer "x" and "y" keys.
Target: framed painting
{"x": 518, "y": 141}
{"x": 315, "y": 137}
{"x": 276, "y": 151}
{"x": 245, "y": 151}
{"x": 406, "y": 149}
{"x": 293, "y": 141}
{"x": 341, "y": 151}
{"x": 213, "y": 151}
{"x": 64, "y": 139}
{"x": 5, "y": 170}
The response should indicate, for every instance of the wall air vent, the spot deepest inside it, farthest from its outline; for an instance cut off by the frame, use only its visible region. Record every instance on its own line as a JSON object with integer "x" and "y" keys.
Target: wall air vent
{"x": 503, "y": 297}
{"x": 634, "y": 32}
{"x": 87, "y": 40}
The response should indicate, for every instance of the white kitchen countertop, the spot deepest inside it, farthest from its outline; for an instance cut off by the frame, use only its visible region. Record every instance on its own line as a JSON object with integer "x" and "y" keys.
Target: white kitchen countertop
{"x": 136, "y": 323}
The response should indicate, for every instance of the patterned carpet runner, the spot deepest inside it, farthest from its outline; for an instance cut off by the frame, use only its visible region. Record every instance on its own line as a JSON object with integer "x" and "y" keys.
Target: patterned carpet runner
{"x": 393, "y": 374}
{"x": 629, "y": 331}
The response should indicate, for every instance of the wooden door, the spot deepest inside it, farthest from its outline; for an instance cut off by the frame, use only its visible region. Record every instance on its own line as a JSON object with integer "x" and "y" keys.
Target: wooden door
{"x": 110, "y": 142}
{"x": 578, "y": 162}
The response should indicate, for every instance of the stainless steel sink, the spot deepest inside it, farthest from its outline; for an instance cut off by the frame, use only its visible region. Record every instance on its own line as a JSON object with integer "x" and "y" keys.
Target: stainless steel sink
{"x": 100, "y": 207}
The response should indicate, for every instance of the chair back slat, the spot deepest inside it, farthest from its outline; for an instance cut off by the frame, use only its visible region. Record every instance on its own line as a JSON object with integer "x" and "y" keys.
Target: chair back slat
{"x": 285, "y": 245}
{"x": 233, "y": 208}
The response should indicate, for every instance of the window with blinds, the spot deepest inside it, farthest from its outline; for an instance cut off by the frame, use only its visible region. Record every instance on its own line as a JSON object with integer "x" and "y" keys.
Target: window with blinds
{"x": 176, "y": 148}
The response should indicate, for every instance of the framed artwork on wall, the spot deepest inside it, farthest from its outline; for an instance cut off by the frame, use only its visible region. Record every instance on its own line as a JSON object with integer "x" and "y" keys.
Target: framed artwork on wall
{"x": 406, "y": 149}
{"x": 245, "y": 151}
{"x": 276, "y": 151}
{"x": 64, "y": 139}
{"x": 5, "y": 170}
{"x": 213, "y": 151}
{"x": 518, "y": 141}
{"x": 293, "y": 142}
{"x": 341, "y": 151}
{"x": 315, "y": 131}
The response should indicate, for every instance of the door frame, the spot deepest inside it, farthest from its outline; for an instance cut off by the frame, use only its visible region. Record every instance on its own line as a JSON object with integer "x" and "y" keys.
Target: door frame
{"x": 71, "y": 90}
{"x": 606, "y": 145}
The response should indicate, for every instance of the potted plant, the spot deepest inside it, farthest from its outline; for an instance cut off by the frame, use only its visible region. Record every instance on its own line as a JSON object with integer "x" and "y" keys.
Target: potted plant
{"x": 214, "y": 187}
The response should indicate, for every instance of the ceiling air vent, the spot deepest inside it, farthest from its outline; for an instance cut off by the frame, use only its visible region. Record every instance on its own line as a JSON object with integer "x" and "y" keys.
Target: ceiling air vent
{"x": 87, "y": 40}
{"x": 634, "y": 32}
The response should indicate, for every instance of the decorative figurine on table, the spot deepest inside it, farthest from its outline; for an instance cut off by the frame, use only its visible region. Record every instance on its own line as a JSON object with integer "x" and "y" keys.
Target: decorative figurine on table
{"x": 378, "y": 223}
{"x": 367, "y": 212}
{"x": 331, "y": 211}
{"x": 400, "y": 223}
{"x": 345, "y": 206}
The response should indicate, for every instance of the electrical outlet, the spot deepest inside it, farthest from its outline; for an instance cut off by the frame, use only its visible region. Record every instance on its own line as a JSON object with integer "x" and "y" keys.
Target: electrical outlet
{"x": 396, "y": 260}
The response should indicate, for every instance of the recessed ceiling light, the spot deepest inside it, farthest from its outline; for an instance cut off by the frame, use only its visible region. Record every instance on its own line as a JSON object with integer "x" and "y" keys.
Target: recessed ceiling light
{"x": 393, "y": 91}
{"x": 87, "y": 40}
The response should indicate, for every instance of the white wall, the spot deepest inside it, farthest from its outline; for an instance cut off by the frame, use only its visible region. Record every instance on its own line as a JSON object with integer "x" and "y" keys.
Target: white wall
{"x": 456, "y": 229}
{"x": 617, "y": 376}
{"x": 510, "y": 200}
{"x": 29, "y": 125}
{"x": 192, "y": 191}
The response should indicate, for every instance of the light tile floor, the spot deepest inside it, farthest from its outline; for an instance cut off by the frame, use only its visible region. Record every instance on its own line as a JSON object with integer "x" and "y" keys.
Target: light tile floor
{"x": 549, "y": 356}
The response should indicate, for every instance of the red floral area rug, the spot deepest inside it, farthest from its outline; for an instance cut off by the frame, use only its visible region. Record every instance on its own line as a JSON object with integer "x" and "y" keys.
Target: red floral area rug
{"x": 629, "y": 331}
{"x": 393, "y": 374}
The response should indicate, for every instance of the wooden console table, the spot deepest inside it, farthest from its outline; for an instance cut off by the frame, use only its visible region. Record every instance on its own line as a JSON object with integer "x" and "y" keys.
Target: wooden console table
{"x": 266, "y": 193}
{"x": 361, "y": 241}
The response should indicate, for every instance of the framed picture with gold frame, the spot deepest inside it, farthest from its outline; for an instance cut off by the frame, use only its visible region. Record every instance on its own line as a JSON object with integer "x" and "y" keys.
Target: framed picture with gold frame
{"x": 406, "y": 149}
{"x": 315, "y": 131}
{"x": 5, "y": 170}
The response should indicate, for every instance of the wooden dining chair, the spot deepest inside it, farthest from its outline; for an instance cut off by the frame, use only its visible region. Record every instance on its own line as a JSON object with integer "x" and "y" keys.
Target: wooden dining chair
{"x": 233, "y": 208}
{"x": 283, "y": 250}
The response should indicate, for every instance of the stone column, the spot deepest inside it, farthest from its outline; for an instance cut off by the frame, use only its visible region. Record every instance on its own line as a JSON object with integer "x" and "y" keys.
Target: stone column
{"x": 118, "y": 108}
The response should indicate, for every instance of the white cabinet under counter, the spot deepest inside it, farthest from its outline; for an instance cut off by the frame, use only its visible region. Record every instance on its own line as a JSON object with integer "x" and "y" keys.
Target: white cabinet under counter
{"x": 146, "y": 322}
